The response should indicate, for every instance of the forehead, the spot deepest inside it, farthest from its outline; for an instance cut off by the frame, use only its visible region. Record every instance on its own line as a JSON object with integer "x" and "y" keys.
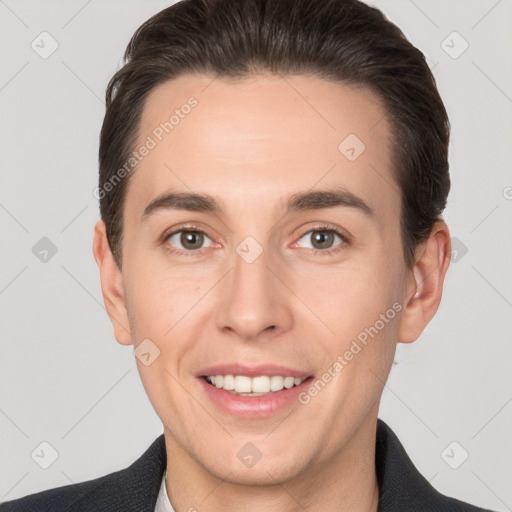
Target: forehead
{"x": 265, "y": 135}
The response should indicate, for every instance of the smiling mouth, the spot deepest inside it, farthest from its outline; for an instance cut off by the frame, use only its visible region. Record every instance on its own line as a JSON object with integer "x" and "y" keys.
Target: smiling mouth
{"x": 261, "y": 385}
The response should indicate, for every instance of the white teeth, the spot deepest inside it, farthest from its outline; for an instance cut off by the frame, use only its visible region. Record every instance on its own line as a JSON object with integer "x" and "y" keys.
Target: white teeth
{"x": 255, "y": 386}
{"x": 276, "y": 383}
{"x": 260, "y": 384}
{"x": 242, "y": 384}
{"x": 288, "y": 382}
{"x": 229, "y": 382}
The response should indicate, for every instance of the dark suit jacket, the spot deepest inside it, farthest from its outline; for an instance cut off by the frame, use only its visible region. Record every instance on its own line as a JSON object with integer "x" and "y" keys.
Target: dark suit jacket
{"x": 135, "y": 489}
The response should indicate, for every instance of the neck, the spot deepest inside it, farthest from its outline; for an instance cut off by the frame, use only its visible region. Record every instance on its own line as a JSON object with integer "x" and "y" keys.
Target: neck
{"x": 346, "y": 481}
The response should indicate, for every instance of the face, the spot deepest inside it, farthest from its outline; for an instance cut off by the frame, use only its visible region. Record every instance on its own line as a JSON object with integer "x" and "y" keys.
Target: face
{"x": 288, "y": 272}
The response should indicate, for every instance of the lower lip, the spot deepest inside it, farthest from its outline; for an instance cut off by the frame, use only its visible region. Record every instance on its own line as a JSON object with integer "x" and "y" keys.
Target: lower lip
{"x": 253, "y": 406}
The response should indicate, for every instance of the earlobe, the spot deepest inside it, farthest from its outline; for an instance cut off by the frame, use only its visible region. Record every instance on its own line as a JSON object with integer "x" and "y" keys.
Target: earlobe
{"x": 425, "y": 283}
{"x": 112, "y": 287}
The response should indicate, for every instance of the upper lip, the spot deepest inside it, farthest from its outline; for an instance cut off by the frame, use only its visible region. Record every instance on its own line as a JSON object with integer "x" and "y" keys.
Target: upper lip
{"x": 252, "y": 371}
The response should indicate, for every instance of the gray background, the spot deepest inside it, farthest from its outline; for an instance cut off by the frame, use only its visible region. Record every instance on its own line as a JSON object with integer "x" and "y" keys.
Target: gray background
{"x": 63, "y": 377}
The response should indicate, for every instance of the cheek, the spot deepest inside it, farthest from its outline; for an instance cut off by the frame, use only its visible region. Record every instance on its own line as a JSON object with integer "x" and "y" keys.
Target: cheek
{"x": 157, "y": 298}
{"x": 160, "y": 308}
{"x": 349, "y": 296}
{"x": 360, "y": 305}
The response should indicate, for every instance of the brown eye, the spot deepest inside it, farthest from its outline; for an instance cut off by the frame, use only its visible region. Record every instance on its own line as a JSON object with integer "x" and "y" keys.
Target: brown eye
{"x": 188, "y": 240}
{"x": 321, "y": 239}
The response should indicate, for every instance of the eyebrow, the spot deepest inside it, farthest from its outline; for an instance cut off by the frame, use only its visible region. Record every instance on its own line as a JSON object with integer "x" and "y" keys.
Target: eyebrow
{"x": 311, "y": 200}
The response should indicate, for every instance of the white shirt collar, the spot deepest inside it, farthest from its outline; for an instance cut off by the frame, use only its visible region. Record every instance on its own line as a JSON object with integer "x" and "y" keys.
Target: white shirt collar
{"x": 162, "y": 503}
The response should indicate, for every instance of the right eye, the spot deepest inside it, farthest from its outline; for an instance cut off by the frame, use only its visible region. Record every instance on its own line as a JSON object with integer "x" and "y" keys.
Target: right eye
{"x": 187, "y": 240}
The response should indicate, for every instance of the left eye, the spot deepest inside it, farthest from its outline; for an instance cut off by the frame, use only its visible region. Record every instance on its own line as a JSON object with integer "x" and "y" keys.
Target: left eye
{"x": 189, "y": 240}
{"x": 321, "y": 238}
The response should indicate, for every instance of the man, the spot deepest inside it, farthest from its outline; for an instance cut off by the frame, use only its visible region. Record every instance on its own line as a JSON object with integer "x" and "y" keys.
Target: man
{"x": 272, "y": 179}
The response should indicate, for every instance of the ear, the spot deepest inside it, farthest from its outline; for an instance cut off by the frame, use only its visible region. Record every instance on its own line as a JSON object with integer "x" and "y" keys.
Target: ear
{"x": 111, "y": 285}
{"x": 425, "y": 283}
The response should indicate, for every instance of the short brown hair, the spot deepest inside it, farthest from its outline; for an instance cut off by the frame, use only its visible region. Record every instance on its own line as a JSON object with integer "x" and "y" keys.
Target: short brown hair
{"x": 345, "y": 41}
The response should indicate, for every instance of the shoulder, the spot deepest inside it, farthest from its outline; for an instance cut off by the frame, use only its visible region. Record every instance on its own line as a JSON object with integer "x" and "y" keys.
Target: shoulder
{"x": 134, "y": 488}
{"x": 402, "y": 487}
{"x": 68, "y": 497}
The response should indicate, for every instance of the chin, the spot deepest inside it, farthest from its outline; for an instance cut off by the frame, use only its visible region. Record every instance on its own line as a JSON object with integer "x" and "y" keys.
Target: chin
{"x": 264, "y": 472}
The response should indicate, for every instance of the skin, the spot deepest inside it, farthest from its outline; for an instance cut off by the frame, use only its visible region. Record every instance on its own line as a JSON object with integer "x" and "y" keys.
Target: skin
{"x": 251, "y": 144}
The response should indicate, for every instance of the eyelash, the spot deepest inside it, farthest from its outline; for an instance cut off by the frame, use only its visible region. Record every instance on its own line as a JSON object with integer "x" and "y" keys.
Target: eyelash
{"x": 322, "y": 228}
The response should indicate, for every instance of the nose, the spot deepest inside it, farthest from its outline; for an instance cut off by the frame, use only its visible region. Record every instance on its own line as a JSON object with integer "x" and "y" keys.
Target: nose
{"x": 255, "y": 302}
